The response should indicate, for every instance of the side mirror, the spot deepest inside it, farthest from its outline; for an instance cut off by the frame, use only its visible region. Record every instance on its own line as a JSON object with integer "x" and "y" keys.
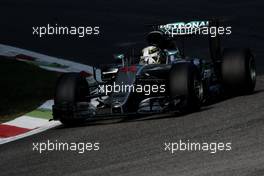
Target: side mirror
{"x": 121, "y": 58}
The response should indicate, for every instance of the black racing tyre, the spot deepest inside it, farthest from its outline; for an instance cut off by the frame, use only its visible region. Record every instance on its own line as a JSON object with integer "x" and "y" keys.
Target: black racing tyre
{"x": 238, "y": 71}
{"x": 185, "y": 85}
{"x": 71, "y": 88}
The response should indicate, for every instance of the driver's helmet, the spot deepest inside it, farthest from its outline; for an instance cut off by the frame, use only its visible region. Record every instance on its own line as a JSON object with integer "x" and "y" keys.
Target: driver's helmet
{"x": 150, "y": 55}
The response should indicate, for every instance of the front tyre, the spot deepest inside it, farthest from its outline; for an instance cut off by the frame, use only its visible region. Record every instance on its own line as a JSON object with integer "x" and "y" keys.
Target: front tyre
{"x": 71, "y": 90}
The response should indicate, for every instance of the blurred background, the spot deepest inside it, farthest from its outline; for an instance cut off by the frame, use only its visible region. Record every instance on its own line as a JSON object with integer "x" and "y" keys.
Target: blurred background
{"x": 123, "y": 25}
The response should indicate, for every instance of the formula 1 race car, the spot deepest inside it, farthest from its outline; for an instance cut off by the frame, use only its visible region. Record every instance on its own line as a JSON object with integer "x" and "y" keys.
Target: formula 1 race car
{"x": 164, "y": 80}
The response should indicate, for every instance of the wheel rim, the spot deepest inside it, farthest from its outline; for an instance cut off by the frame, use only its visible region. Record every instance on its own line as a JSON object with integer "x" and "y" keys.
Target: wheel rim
{"x": 198, "y": 89}
{"x": 252, "y": 70}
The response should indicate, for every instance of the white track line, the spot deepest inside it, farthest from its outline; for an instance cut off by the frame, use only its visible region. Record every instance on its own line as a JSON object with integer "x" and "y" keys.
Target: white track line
{"x": 50, "y": 125}
{"x": 27, "y": 122}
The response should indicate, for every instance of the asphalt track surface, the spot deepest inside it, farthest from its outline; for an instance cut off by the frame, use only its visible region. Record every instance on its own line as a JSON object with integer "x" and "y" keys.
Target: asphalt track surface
{"x": 136, "y": 147}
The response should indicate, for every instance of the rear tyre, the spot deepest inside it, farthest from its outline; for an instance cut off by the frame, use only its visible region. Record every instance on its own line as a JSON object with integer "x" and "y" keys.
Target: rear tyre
{"x": 238, "y": 71}
{"x": 71, "y": 89}
{"x": 186, "y": 86}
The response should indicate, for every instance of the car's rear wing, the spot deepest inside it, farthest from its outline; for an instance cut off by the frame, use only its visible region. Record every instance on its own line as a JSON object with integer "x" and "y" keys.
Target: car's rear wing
{"x": 183, "y": 28}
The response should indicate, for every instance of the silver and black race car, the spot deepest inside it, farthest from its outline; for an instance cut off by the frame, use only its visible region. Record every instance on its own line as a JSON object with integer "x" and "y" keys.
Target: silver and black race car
{"x": 164, "y": 80}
